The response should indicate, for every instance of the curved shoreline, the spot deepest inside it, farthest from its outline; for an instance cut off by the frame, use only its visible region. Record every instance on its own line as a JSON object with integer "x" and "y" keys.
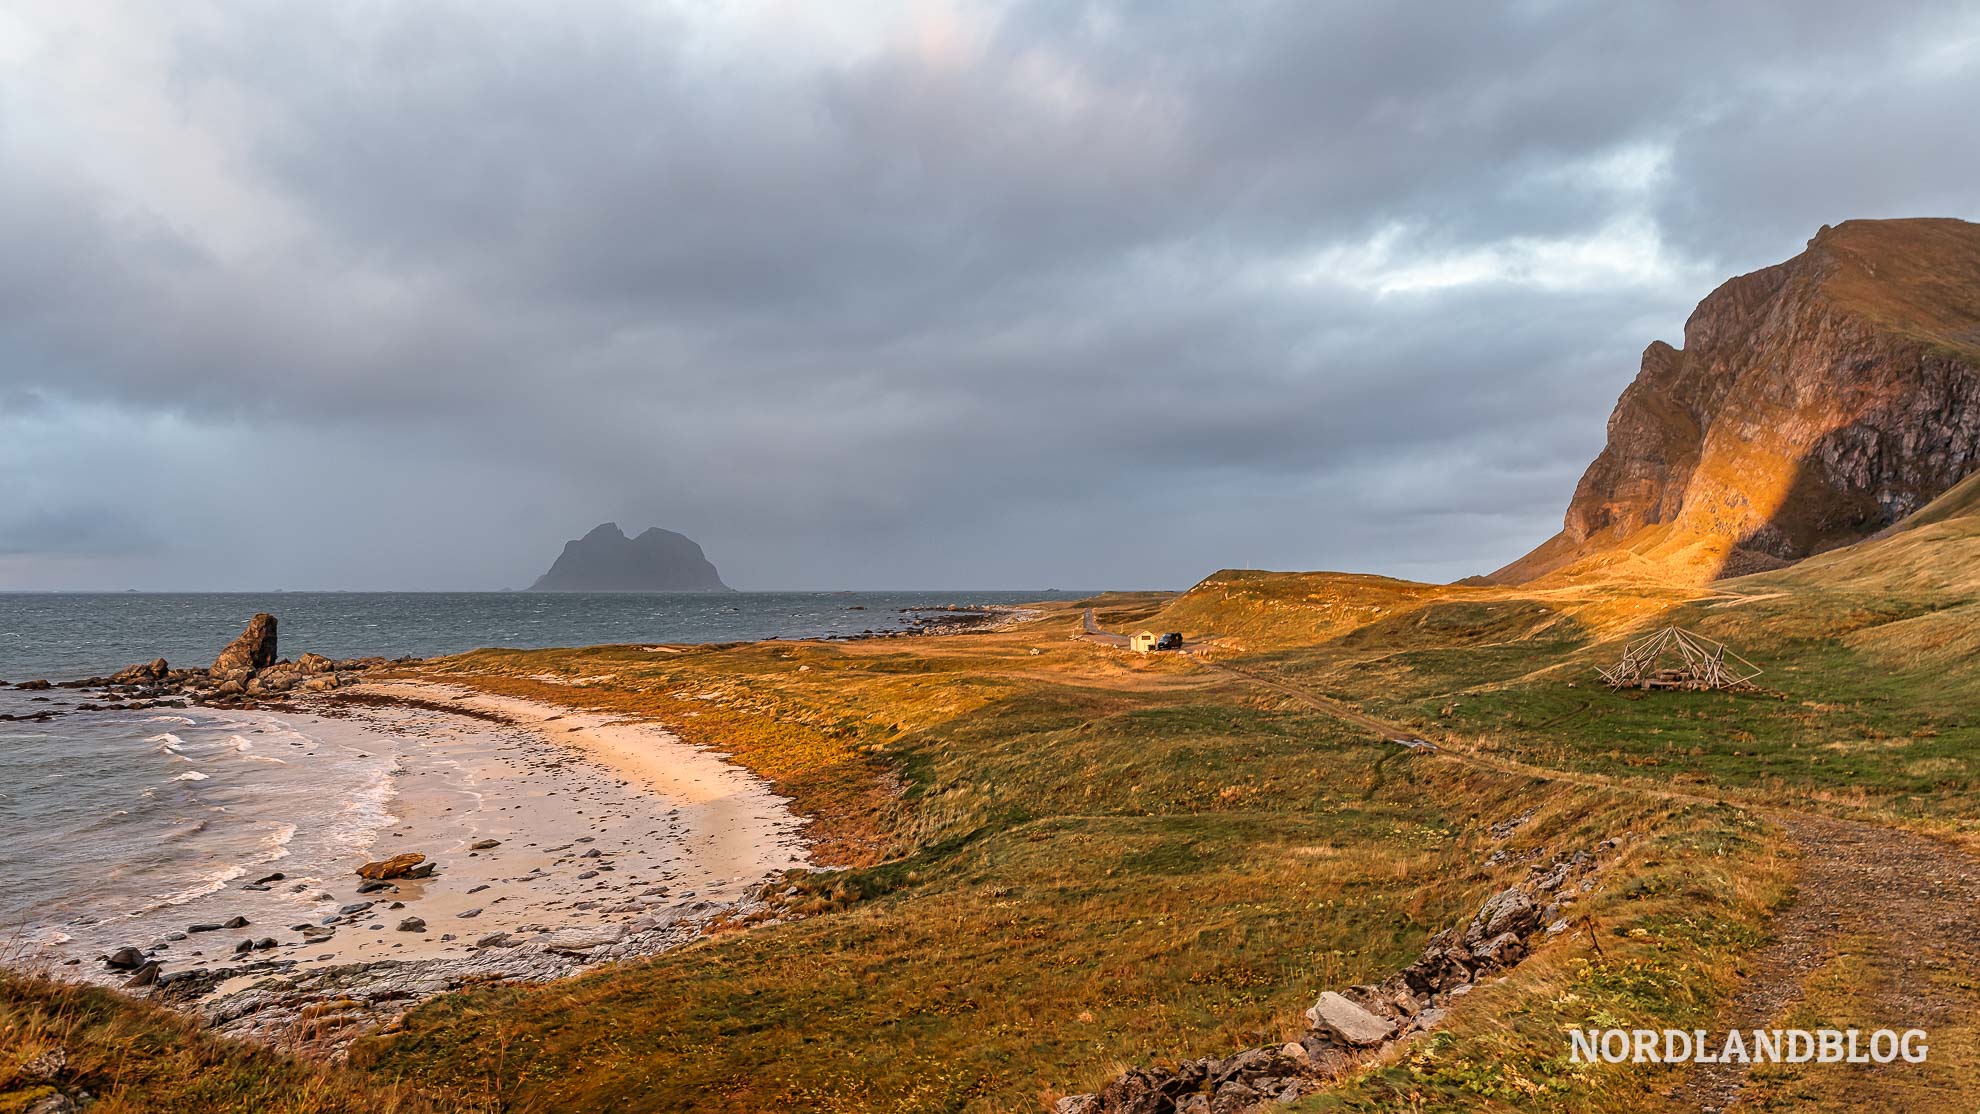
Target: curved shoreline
{"x": 564, "y": 838}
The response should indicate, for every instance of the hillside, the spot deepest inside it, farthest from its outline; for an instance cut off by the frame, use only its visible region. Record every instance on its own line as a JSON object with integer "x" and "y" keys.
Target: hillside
{"x": 1814, "y": 403}
{"x": 605, "y": 560}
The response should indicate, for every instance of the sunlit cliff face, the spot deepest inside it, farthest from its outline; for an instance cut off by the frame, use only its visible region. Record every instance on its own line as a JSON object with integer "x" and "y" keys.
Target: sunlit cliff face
{"x": 1814, "y": 403}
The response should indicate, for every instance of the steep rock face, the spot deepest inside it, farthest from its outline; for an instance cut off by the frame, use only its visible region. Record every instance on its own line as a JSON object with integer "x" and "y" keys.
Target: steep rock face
{"x": 254, "y": 649}
{"x": 1814, "y": 402}
{"x": 605, "y": 560}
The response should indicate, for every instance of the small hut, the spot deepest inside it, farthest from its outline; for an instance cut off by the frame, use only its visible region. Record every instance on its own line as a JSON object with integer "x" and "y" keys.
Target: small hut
{"x": 1142, "y": 641}
{"x": 1675, "y": 658}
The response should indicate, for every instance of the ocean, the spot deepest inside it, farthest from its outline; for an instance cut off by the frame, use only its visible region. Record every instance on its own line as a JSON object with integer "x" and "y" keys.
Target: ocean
{"x": 117, "y": 823}
{"x": 67, "y": 635}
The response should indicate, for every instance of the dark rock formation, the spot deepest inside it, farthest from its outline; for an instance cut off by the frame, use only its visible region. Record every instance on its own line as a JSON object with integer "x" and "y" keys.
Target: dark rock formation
{"x": 1814, "y": 403}
{"x": 605, "y": 560}
{"x": 254, "y": 649}
{"x": 148, "y": 673}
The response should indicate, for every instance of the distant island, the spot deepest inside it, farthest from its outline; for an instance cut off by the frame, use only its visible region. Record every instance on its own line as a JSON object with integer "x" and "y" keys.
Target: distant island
{"x": 605, "y": 560}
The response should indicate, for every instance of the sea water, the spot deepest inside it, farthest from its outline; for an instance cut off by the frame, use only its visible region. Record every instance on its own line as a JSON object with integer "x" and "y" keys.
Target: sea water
{"x": 109, "y": 820}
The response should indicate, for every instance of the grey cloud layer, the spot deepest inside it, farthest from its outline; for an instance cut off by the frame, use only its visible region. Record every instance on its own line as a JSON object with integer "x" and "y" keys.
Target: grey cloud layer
{"x": 935, "y": 296}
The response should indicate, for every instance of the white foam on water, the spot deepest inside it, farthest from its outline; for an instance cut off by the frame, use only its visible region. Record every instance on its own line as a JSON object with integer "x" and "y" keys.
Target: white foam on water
{"x": 242, "y": 747}
{"x": 190, "y": 775}
{"x": 185, "y": 720}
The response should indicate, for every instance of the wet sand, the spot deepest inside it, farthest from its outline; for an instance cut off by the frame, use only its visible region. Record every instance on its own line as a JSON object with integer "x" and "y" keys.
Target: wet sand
{"x": 605, "y": 830}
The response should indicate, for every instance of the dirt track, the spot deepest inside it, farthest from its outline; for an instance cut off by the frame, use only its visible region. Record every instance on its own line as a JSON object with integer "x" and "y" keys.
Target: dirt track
{"x": 1890, "y": 913}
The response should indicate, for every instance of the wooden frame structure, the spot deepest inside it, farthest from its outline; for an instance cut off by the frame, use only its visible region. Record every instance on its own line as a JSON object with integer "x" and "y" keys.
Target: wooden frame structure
{"x": 1705, "y": 666}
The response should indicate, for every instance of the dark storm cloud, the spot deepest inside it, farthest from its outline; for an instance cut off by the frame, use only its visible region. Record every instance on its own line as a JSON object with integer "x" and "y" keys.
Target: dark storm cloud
{"x": 905, "y": 295}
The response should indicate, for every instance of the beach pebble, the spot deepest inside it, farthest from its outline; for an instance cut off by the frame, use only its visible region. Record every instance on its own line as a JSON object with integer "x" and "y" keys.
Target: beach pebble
{"x": 124, "y": 959}
{"x": 412, "y": 924}
{"x": 474, "y": 912}
{"x": 235, "y": 922}
{"x": 202, "y": 928}
{"x": 484, "y": 844}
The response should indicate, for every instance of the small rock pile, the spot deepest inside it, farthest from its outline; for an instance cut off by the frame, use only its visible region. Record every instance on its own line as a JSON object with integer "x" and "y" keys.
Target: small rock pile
{"x": 1344, "y": 1026}
{"x": 248, "y": 668}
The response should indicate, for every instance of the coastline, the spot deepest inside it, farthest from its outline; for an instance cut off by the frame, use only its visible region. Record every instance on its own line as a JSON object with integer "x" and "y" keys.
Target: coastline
{"x": 563, "y": 838}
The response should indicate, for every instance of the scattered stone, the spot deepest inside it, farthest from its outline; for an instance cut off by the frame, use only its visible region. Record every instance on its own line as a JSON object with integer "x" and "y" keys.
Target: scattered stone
{"x": 398, "y": 866}
{"x": 234, "y": 922}
{"x": 1354, "y": 1026}
{"x": 412, "y": 924}
{"x": 124, "y": 959}
{"x": 484, "y": 844}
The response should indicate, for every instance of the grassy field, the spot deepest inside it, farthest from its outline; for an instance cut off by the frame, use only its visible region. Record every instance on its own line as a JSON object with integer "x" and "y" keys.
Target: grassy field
{"x": 136, "y": 1059}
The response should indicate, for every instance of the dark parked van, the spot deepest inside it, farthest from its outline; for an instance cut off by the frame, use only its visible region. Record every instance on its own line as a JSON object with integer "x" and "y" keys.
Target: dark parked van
{"x": 1169, "y": 641}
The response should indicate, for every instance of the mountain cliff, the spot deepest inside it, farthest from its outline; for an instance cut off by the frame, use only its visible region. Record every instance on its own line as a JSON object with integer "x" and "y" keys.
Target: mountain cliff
{"x": 1814, "y": 403}
{"x": 605, "y": 560}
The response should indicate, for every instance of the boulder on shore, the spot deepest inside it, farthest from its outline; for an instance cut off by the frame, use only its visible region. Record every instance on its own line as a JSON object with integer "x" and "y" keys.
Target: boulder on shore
{"x": 254, "y": 649}
{"x": 398, "y": 866}
{"x": 144, "y": 673}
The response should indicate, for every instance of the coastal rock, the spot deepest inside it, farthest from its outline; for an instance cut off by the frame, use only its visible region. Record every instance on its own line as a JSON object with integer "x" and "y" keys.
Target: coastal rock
{"x": 278, "y": 679}
{"x": 254, "y": 649}
{"x": 583, "y": 939}
{"x": 412, "y": 924}
{"x": 124, "y": 959}
{"x": 398, "y": 866}
{"x": 309, "y": 665}
{"x": 1349, "y": 1023}
{"x": 146, "y": 673}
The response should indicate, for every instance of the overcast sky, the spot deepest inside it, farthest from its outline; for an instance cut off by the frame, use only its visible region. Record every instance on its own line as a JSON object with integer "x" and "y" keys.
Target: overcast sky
{"x": 871, "y": 295}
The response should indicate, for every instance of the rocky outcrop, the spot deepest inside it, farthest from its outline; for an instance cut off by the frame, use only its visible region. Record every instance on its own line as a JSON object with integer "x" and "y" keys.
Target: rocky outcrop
{"x": 247, "y": 669}
{"x": 605, "y": 560}
{"x": 254, "y": 649}
{"x": 147, "y": 673}
{"x": 1344, "y": 1026}
{"x": 1814, "y": 403}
